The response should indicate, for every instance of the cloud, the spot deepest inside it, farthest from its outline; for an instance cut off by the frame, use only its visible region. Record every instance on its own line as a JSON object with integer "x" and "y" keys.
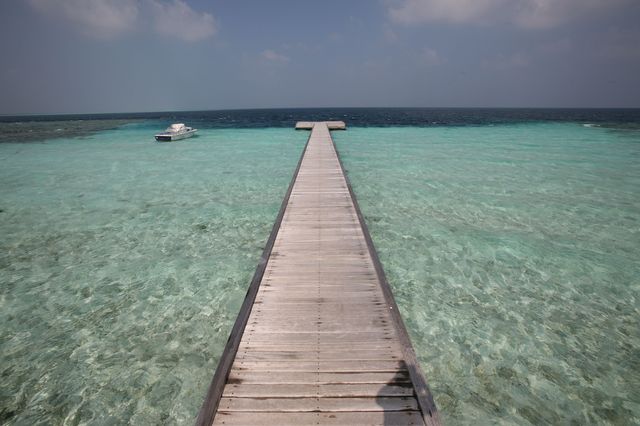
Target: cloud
{"x": 617, "y": 44}
{"x": 430, "y": 57}
{"x": 556, "y": 47}
{"x": 335, "y": 37}
{"x": 532, "y": 14}
{"x": 389, "y": 35}
{"x": 176, "y": 18}
{"x": 419, "y": 11}
{"x": 107, "y": 19}
{"x": 100, "y": 18}
{"x": 502, "y": 62}
{"x": 273, "y": 56}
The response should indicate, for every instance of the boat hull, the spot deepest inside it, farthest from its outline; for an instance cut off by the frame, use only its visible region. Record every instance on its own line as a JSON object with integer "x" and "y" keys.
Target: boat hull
{"x": 170, "y": 137}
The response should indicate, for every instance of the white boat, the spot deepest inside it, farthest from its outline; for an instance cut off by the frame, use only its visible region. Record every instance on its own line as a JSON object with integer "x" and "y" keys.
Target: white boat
{"x": 175, "y": 132}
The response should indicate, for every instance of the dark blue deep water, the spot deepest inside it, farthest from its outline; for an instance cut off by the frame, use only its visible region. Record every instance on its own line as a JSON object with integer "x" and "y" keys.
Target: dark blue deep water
{"x": 37, "y": 128}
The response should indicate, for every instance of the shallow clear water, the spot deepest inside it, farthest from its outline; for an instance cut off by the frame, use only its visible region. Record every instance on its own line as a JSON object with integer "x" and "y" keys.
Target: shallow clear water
{"x": 123, "y": 263}
{"x": 514, "y": 255}
{"x": 512, "y": 250}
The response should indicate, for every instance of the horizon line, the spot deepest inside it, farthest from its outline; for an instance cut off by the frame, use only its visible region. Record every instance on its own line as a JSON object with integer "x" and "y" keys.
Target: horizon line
{"x": 59, "y": 114}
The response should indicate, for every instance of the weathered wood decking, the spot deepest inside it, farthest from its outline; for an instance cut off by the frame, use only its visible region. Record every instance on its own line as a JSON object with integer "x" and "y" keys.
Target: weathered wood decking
{"x": 319, "y": 339}
{"x": 332, "y": 125}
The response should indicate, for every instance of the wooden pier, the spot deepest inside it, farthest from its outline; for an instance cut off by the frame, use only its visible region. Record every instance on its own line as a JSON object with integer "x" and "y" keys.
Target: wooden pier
{"x": 319, "y": 339}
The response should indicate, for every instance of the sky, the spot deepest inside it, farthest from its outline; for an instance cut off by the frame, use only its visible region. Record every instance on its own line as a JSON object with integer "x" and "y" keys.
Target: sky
{"x": 92, "y": 56}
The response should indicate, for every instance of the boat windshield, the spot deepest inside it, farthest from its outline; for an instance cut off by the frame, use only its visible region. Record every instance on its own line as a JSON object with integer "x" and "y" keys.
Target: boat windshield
{"x": 175, "y": 127}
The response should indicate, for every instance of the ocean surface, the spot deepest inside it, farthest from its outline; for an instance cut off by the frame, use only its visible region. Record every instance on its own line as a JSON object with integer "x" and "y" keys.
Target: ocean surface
{"x": 511, "y": 239}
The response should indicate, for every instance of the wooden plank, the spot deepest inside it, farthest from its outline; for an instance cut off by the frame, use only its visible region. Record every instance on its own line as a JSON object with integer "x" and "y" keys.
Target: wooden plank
{"x": 249, "y": 345}
{"x": 279, "y": 390}
{"x": 325, "y": 366}
{"x": 320, "y": 322}
{"x": 256, "y": 355}
{"x": 314, "y": 300}
{"x": 328, "y": 418}
{"x": 240, "y": 377}
{"x": 330, "y": 337}
{"x": 304, "y": 125}
{"x": 320, "y": 325}
{"x": 384, "y": 403}
{"x": 326, "y": 308}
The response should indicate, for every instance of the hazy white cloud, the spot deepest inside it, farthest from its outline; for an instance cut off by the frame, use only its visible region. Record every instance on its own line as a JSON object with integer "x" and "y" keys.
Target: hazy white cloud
{"x": 176, "y": 18}
{"x": 419, "y": 11}
{"x": 506, "y": 62}
{"x": 551, "y": 13}
{"x": 431, "y": 57}
{"x": 111, "y": 18}
{"x": 100, "y": 18}
{"x": 557, "y": 46}
{"x": 335, "y": 37}
{"x": 617, "y": 44}
{"x": 389, "y": 35}
{"x": 522, "y": 13}
{"x": 273, "y": 56}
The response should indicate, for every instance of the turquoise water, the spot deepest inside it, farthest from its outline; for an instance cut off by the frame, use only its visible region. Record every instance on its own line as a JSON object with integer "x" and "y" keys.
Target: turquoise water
{"x": 514, "y": 254}
{"x": 123, "y": 264}
{"x": 512, "y": 250}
